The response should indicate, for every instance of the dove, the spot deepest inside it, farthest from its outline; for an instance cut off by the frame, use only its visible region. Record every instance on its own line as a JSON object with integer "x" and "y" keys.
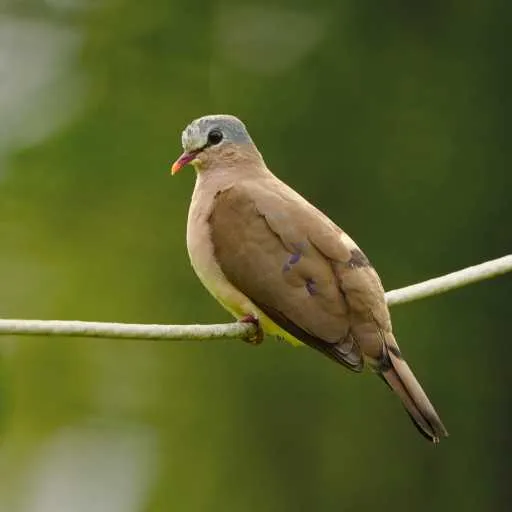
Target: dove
{"x": 272, "y": 259}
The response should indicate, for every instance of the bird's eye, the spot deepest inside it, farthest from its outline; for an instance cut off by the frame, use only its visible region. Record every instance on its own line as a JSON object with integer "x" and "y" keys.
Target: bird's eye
{"x": 214, "y": 137}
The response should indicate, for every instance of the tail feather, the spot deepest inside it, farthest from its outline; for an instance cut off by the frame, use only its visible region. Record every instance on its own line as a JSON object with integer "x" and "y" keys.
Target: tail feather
{"x": 402, "y": 381}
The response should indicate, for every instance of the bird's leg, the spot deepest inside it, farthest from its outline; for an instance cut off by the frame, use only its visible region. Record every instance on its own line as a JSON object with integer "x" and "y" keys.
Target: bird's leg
{"x": 257, "y": 337}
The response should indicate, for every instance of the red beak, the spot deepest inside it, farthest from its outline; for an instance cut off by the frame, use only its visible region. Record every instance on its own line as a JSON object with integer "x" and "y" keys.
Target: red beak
{"x": 183, "y": 160}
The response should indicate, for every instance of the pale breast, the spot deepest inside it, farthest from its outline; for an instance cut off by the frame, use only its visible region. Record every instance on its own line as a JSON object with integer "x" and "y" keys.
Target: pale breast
{"x": 201, "y": 250}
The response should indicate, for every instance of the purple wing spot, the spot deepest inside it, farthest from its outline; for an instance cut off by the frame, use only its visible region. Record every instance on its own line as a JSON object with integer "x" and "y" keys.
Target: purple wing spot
{"x": 311, "y": 286}
{"x": 295, "y": 257}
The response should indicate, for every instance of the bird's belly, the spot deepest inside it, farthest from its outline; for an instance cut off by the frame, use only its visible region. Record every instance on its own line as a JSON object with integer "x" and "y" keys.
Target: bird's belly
{"x": 231, "y": 299}
{"x": 240, "y": 306}
{"x": 205, "y": 265}
{"x": 271, "y": 328}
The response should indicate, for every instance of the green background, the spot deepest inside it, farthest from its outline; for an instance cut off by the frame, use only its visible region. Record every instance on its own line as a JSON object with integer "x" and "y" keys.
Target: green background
{"x": 394, "y": 118}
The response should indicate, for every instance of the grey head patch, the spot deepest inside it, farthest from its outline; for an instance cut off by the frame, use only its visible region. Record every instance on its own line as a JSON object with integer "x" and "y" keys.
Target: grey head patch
{"x": 195, "y": 135}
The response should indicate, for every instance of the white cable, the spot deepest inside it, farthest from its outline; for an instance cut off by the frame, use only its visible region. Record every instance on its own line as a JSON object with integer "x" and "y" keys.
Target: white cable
{"x": 236, "y": 330}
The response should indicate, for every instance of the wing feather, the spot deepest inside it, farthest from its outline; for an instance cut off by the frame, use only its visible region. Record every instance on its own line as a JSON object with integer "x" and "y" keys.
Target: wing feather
{"x": 286, "y": 276}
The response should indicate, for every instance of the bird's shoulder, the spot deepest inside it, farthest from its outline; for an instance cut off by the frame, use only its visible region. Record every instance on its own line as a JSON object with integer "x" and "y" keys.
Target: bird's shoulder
{"x": 266, "y": 230}
{"x": 298, "y": 224}
{"x": 288, "y": 215}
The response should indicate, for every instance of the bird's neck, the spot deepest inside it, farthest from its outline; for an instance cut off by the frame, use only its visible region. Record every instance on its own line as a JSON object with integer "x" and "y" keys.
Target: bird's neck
{"x": 215, "y": 179}
{"x": 240, "y": 158}
{"x": 232, "y": 167}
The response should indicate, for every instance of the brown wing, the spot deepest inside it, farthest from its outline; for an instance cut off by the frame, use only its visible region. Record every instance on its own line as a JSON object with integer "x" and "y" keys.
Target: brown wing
{"x": 282, "y": 271}
{"x": 313, "y": 281}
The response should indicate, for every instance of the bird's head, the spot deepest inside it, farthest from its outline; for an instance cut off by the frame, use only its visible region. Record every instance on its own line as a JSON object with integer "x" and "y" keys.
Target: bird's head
{"x": 214, "y": 139}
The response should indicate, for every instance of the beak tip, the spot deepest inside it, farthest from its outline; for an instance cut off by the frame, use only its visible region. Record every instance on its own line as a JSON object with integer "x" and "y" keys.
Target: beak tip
{"x": 182, "y": 161}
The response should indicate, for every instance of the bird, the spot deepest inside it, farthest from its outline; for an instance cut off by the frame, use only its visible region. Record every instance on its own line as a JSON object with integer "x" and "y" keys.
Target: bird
{"x": 274, "y": 260}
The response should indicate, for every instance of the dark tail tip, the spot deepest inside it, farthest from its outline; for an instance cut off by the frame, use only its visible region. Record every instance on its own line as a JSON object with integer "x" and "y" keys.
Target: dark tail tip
{"x": 423, "y": 415}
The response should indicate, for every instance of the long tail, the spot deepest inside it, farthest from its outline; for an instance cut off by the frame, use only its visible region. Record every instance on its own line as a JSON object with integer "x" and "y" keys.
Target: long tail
{"x": 397, "y": 374}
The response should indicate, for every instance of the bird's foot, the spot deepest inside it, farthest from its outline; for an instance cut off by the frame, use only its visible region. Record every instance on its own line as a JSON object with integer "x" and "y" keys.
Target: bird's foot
{"x": 257, "y": 337}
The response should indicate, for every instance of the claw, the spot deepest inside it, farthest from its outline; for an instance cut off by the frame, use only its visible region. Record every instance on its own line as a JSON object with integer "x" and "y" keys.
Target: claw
{"x": 257, "y": 337}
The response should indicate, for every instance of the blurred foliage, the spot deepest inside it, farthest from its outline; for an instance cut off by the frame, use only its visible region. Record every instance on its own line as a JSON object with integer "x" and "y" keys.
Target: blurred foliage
{"x": 393, "y": 118}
